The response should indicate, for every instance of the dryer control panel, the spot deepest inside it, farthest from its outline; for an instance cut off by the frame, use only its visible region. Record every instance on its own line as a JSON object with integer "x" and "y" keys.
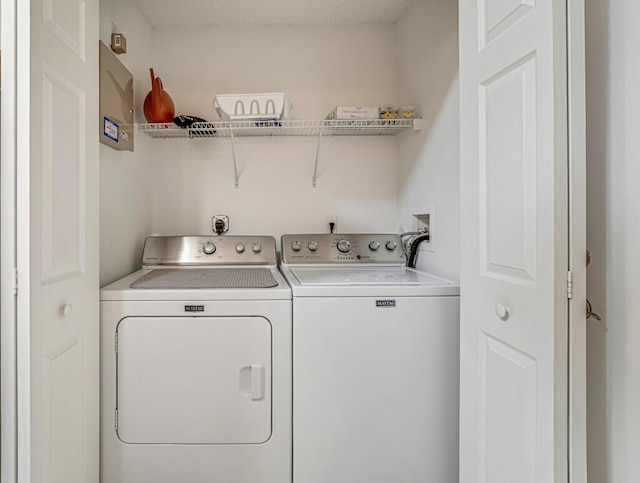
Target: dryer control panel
{"x": 202, "y": 251}
{"x": 343, "y": 248}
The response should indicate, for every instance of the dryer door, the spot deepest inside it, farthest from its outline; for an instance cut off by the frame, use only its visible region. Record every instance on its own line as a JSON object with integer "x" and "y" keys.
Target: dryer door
{"x": 194, "y": 380}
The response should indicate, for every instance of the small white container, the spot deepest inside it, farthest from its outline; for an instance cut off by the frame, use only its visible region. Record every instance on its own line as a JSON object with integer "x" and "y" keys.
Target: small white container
{"x": 250, "y": 107}
{"x": 353, "y": 112}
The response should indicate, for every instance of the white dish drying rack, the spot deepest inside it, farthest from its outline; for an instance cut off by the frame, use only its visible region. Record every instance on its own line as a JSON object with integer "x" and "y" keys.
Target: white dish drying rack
{"x": 252, "y": 107}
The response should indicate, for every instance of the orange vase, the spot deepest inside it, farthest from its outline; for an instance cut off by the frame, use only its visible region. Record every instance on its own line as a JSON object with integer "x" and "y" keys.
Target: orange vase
{"x": 158, "y": 105}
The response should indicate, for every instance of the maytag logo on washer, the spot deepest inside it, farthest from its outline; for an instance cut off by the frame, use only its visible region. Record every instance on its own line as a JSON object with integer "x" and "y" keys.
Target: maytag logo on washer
{"x": 385, "y": 303}
{"x": 194, "y": 308}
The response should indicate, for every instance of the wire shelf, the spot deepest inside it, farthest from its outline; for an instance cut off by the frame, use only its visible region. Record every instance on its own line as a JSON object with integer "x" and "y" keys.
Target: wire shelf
{"x": 320, "y": 129}
{"x": 334, "y": 127}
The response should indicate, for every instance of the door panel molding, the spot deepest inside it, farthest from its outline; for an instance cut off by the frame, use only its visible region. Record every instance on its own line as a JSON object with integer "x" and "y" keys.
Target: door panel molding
{"x": 507, "y": 106}
{"x": 62, "y": 380}
{"x": 66, "y": 20}
{"x": 498, "y": 16}
{"x": 507, "y": 371}
{"x": 63, "y": 172}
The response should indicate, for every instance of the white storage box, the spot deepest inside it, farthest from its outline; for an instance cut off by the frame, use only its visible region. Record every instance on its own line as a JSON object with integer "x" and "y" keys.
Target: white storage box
{"x": 353, "y": 112}
{"x": 249, "y": 107}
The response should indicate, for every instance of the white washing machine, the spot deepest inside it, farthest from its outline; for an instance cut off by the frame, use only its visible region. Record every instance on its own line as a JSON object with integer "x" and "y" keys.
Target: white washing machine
{"x": 196, "y": 365}
{"x": 375, "y": 363}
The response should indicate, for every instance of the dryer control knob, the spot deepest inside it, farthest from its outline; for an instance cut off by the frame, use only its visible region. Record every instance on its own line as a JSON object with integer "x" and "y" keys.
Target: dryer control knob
{"x": 344, "y": 246}
{"x": 209, "y": 248}
{"x": 240, "y": 247}
{"x": 374, "y": 245}
{"x": 296, "y": 246}
{"x": 313, "y": 245}
{"x": 257, "y": 247}
{"x": 391, "y": 245}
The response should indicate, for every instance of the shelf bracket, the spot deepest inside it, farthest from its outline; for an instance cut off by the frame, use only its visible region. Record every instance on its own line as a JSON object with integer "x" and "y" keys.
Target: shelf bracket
{"x": 233, "y": 154}
{"x": 315, "y": 168}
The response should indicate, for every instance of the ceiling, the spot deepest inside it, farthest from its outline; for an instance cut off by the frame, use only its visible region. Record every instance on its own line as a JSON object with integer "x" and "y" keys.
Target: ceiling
{"x": 190, "y": 13}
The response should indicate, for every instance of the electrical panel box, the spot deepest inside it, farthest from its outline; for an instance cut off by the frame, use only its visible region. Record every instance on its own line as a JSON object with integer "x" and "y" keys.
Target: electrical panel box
{"x": 116, "y": 102}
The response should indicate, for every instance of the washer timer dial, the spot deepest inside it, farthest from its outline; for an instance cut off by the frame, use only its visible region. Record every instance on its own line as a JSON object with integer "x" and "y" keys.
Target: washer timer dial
{"x": 344, "y": 246}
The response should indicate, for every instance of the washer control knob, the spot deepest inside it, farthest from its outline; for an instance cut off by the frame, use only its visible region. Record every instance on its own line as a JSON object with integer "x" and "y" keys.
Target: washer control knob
{"x": 257, "y": 247}
{"x": 240, "y": 247}
{"x": 313, "y": 245}
{"x": 296, "y": 246}
{"x": 344, "y": 246}
{"x": 374, "y": 245}
{"x": 208, "y": 248}
{"x": 391, "y": 245}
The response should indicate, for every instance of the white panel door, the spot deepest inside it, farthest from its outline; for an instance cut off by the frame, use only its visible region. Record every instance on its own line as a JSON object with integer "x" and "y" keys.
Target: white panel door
{"x": 58, "y": 311}
{"x": 514, "y": 305}
{"x": 194, "y": 380}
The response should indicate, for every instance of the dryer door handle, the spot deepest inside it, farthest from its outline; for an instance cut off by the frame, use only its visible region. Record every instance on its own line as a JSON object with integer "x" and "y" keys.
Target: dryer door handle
{"x": 257, "y": 382}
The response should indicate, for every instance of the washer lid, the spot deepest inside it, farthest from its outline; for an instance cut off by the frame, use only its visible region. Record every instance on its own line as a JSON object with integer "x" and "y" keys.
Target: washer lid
{"x": 363, "y": 276}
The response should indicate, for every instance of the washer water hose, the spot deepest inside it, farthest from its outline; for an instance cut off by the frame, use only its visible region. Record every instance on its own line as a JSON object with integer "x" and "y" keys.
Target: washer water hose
{"x": 417, "y": 237}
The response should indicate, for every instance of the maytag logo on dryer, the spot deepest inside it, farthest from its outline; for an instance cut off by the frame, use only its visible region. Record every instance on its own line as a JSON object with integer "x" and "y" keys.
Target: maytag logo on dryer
{"x": 194, "y": 308}
{"x": 385, "y": 303}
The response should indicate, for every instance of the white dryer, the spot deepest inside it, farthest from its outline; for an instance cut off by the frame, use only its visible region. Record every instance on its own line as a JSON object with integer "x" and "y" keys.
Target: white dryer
{"x": 196, "y": 365}
{"x": 375, "y": 363}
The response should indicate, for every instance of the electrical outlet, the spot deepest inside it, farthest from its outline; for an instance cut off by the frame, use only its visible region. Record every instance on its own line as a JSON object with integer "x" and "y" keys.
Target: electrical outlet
{"x": 220, "y": 224}
{"x": 328, "y": 219}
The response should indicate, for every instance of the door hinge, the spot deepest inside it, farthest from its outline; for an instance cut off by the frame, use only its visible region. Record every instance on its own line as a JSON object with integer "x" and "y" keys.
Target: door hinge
{"x": 570, "y": 285}
{"x": 116, "y": 420}
{"x": 15, "y": 281}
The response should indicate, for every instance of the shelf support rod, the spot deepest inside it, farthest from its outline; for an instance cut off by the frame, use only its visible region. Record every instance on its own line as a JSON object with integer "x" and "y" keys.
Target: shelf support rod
{"x": 315, "y": 168}
{"x": 233, "y": 154}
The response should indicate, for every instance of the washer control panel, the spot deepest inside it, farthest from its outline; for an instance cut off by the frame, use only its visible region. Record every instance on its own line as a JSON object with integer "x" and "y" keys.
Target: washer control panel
{"x": 342, "y": 248}
{"x": 178, "y": 251}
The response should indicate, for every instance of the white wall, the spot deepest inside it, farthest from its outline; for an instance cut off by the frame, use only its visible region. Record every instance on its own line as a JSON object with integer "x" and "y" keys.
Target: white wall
{"x": 318, "y": 67}
{"x": 429, "y": 162}
{"x": 125, "y": 188}
{"x": 175, "y": 186}
{"x": 597, "y": 48}
{"x": 623, "y": 241}
{"x": 613, "y": 77}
